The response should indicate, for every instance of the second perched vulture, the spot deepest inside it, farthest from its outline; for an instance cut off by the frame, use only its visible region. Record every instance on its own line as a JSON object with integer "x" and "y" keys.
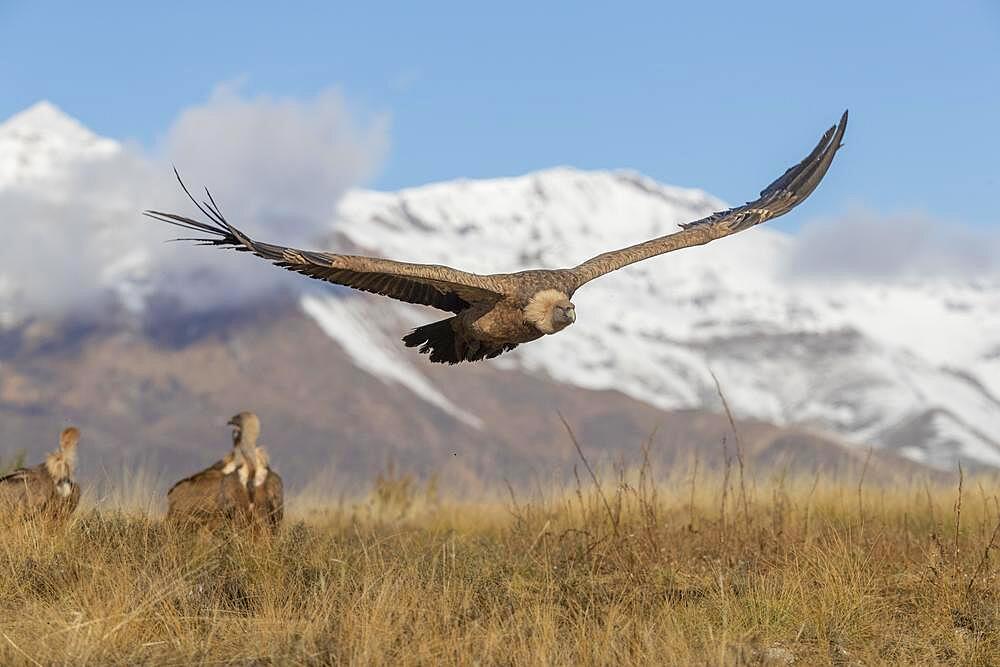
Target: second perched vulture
{"x": 216, "y": 495}
{"x": 48, "y": 489}
{"x": 267, "y": 495}
{"x": 497, "y": 312}
{"x": 241, "y": 487}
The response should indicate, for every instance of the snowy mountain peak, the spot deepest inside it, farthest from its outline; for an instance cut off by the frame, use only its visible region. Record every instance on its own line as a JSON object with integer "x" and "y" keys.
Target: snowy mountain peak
{"x": 45, "y": 117}
{"x": 42, "y": 142}
{"x": 841, "y": 355}
{"x": 547, "y": 219}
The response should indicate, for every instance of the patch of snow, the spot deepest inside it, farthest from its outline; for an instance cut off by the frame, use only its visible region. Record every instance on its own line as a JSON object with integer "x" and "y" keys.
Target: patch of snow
{"x": 39, "y": 144}
{"x": 350, "y": 322}
{"x": 855, "y": 358}
{"x": 950, "y": 434}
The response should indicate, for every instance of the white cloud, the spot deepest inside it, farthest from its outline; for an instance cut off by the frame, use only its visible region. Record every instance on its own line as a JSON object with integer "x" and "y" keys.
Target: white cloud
{"x": 865, "y": 245}
{"x": 275, "y": 166}
{"x": 279, "y": 164}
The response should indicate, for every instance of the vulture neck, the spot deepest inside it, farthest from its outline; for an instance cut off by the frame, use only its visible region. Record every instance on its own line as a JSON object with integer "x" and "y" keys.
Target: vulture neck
{"x": 60, "y": 466}
{"x": 247, "y": 442}
{"x": 255, "y": 457}
{"x": 539, "y": 309}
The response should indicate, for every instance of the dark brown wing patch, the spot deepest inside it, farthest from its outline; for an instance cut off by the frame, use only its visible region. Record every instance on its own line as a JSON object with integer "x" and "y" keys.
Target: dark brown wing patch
{"x": 321, "y": 266}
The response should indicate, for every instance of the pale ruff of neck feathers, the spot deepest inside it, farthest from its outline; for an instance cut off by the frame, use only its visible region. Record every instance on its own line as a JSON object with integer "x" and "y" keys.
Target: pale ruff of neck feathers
{"x": 235, "y": 460}
{"x": 539, "y": 309}
{"x": 60, "y": 468}
{"x": 262, "y": 461}
{"x": 60, "y": 465}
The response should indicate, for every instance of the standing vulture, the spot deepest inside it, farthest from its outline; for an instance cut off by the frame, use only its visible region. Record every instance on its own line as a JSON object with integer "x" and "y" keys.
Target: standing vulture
{"x": 48, "y": 489}
{"x": 267, "y": 495}
{"x": 239, "y": 488}
{"x": 495, "y": 313}
{"x": 218, "y": 494}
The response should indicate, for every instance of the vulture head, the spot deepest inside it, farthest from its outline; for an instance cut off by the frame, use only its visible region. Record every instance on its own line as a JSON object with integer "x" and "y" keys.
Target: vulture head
{"x": 61, "y": 464}
{"x": 550, "y": 311}
{"x": 246, "y": 429}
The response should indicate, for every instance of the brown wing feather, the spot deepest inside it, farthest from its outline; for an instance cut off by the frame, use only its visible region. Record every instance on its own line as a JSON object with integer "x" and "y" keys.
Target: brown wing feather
{"x": 217, "y": 466}
{"x": 776, "y": 199}
{"x": 14, "y": 489}
{"x": 433, "y": 285}
{"x": 272, "y": 503}
{"x": 198, "y": 497}
{"x": 26, "y": 489}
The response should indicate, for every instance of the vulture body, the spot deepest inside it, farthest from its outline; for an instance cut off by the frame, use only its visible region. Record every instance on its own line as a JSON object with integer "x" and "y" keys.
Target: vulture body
{"x": 215, "y": 495}
{"x": 494, "y": 313}
{"x": 267, "y": 493}
{"x": 47, "y": 490}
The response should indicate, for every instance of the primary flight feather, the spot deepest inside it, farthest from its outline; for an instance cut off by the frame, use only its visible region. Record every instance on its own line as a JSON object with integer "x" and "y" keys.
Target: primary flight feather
{"x": 497, "y": 312}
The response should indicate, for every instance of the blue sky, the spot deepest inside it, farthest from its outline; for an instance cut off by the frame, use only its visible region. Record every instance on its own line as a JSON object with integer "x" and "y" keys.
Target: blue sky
{"x": 721, "y": 96}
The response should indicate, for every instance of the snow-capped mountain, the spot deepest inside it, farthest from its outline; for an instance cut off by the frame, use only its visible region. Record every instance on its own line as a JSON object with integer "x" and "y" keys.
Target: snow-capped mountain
{"x": 39, "y": 146}
{"x": 911, "y": 365}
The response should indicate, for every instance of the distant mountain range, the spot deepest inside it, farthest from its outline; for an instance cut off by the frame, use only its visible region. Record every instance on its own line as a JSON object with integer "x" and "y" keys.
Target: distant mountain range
{"x": 820, "y": 367}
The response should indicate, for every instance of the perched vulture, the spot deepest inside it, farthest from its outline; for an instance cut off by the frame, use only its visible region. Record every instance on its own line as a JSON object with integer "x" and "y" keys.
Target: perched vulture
{"x": 218, "y": 494}
{"x": 241, "y": 487}
{"x": 267, "y": 495}
{"x": 48, "y": 489}
{"x": 495, "y": 313}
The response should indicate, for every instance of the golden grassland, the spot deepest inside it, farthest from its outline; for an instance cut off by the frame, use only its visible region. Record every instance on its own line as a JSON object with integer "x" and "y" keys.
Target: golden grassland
{"x": 695, "y": 569}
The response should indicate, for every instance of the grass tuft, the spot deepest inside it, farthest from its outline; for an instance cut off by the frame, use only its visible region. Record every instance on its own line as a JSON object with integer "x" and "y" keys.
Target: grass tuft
{"x": 627, "y": 567}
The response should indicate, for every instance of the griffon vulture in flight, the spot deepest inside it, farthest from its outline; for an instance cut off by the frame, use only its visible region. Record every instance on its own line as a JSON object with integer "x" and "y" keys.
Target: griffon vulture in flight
{"x": 495, "y": 313}
{"x": 47, "y": 489}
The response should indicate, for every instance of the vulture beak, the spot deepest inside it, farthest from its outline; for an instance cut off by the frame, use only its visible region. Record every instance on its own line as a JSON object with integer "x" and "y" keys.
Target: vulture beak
{"x": 237, "y": 429}
{"x": 563, "y": 316}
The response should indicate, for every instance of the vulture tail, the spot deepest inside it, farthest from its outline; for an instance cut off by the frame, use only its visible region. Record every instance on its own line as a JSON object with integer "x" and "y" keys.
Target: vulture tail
{"x": 437, "y": 339}
{"x": 446, "y": 346}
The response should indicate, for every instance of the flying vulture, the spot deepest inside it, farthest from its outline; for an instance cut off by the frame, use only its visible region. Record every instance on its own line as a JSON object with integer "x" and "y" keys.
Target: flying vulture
{"x": 492, "y": 314}
{"x": 47, "y": 489}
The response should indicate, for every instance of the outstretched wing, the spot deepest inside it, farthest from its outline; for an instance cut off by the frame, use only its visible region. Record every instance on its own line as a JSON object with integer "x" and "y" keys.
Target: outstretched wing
{"x": 433, "y": 285}
{"x": 778, "y": 198}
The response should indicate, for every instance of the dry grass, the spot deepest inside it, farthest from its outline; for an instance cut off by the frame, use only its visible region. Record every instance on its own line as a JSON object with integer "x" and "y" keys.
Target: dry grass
{"x": 633, "y": 570}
